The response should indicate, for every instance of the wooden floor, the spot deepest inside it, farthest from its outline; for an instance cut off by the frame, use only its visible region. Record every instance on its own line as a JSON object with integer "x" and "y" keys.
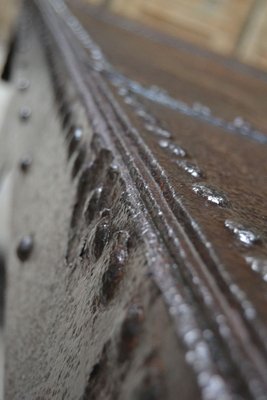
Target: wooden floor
{"x": 230, "y": 27}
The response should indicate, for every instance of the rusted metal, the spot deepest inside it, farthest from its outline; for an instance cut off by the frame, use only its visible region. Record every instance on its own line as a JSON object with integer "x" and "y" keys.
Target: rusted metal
{"x": 167, "y": 238}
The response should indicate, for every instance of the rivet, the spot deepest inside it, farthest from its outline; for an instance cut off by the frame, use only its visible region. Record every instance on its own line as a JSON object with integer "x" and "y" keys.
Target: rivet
{"x": 25, "y": 113}
{"x": 25, "y": 163}
{"x": 23, "y": 84}
{"x": 25, "y": 247}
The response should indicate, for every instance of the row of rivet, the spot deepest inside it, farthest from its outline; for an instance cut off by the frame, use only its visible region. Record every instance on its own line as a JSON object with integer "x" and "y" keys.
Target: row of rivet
{"x": 26, "y": 243}
{"x": 74, "y": 134}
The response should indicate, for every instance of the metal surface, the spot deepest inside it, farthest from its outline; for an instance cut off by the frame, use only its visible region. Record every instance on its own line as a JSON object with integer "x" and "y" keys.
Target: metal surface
{"x": 163, "y": 289}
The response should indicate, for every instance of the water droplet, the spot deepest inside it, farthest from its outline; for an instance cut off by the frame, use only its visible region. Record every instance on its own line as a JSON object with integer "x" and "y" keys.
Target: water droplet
{"x": 202, "y": 110}
{"x": 215, "y": 389}
{"x": 238, "y": 122}
{"x": 25, "y": 247}
{"x": 190, "y": 168}
{"x": 172, "y": 148}
{"x": 142, "y": 113}
{"x": 25, "y": 113}
{"x": 25, "y": 163}
{"x": 250, "y": 312}
{"x": 78, "y": 133}
{"x": 75, "y": 139}
{"x": 192, "y": 336}
{"x": 99, "y": 66}
{"x": 158, "y": 131}
{"x": 129, "y": 100}
{"x": 258, "y": 265}
{"x": 122, "y": 91}
{"x": 211, "y": 194}
{"x": 96, "y": 54}
{"x": 244, "y": 235}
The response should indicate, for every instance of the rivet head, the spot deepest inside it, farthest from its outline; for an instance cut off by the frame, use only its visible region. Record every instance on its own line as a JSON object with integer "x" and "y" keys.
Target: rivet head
{"x": 25, "y": 247}
{"x": 25, "y": 163}
{"x": 23, "y": 84}
{"x": 25, "y": 113}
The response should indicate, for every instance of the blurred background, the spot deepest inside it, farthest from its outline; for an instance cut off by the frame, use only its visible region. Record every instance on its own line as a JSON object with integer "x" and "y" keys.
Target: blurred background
{"x": 8, "y": 13}
{"x": 231, "y": 27}
{"x": 235, "y": 28}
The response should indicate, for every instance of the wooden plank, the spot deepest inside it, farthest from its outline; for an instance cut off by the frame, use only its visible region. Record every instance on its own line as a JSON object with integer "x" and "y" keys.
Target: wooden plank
{"x": 253, "y": 44}
{"x": 228, "y": 27}
{"x": 215, "y": 25}
{"x": 8, "y": 14}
